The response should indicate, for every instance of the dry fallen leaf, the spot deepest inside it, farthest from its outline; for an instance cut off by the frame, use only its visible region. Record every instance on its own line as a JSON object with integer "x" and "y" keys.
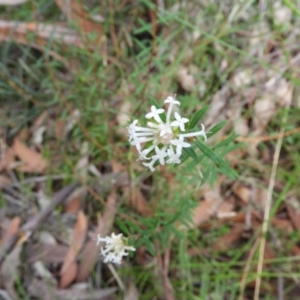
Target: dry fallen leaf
{"x": 263, "y": 110}
{"x": 186, "y": 80}
{"x": 227, "y": 241}
{"x": 226, "y": 209}
{"x": 242, "y": 78}
{"x": 19, "y": 31}
{"x": 86, "y": 294}
{"x": 255, "y": 194}
{"x": 6, "y": 159}
{"x": 71, "y": 121}
{"x": 294, "y": 216}
{"x": 10, "y": 271}
{"x": 37, "y": 137}
{"x": 46, "y": 237}
{"x": 123, "y": 117}
{"x": 4, "y": 181}
{"x": 82, "y": 165}
{"x": 69, "y": 275}
{"x": 40, "y": 121}
{"x": 243, "y": 192}
{"x": 269, "y": 252}
{"x": 42, "y": 272}
{"x": 48, "y": 253}
{"x": 211, "y": 205}
{"x": 217, "y": 109}
{"x": 202, "y": 213}
{"x": 261, "y": 35}
{"x": 139, "y": 202}
{"x": 281, "y": 89}
{"x": 283, "y": 224}
{"x": 75, "y": 201}
{"x": 12, "y": 2}
{"x": 59, "y": 128}
{"x": 32, "y": 161}
{"x": 12, "y": 229}
{"x": 282, "y": 13}
{"x": 90, "y": 252}
{"x": 69, "y": 268}
{"x": 40, "y": 289}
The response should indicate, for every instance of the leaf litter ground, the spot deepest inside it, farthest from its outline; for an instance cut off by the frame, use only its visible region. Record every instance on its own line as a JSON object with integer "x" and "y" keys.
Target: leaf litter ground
{"x": 68, "y": 91}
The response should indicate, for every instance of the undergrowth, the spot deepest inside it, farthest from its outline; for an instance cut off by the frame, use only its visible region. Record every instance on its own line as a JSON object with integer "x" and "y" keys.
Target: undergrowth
{"x": 139, "y": 60}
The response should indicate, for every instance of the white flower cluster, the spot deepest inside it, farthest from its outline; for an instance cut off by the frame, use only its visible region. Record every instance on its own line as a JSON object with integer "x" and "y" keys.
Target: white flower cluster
{"x": 115, "y": 248}
{"x": 164, "y": 140}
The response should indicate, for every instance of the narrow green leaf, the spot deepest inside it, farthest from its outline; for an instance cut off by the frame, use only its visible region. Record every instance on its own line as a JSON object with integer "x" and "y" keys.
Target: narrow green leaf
{"x": 215, "y": 129}
{"x": 122, "y": 226}
{"x": 292, "y": 6}
{"x": 216, "y": 159}
{"x": 139, "y": 242}
{"x": 133, "y": 226}
{"x": 230, "y": 139}
{"x": 191, "y": 153}
{"x": 198, "y": 115}
{"x": 150, "y": 247}
{"x": 153, "y": 102}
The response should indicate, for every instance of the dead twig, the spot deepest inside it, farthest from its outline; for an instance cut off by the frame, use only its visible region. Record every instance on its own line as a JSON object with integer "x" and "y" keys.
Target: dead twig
{"x": 267, "y": 138}
{"x": 267, "y": 213}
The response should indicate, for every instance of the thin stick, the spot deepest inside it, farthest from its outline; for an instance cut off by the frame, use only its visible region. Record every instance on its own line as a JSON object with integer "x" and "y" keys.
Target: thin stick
{"x": 247, "y": 268}
{"x": 116, "y": 276}
{"x": 268, "y": 207}
{"x": 266, "y": 138}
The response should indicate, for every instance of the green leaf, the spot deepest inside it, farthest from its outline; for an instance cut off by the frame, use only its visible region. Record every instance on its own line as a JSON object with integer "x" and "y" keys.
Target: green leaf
{"x": 145, "y": 241}
{"x": 228, "y": 149}
{"x": 162, "y": 116}
{"x": 122, "y": 226}
{"x": 150, "y": 247}
{"x": 216, "y": 128}
{"x": 292, "y": 6}
{"x": 133, "y": 226}
{"x": 216, "y": 159}
{"x": 153, "y": 102}
{"x": 225, "y": 142}
{"x": 198, "y": 115}
{"x": 191, "y": 153}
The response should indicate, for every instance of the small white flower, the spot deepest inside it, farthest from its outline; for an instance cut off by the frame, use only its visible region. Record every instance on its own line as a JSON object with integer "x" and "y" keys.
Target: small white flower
{"x": 179, "y": 121}
{"x": 160, "y": 154}
{"x": 174, "y": 158}
{"x": 155, "y": 112}
{"x": 150, "y": 165}
{"x": 145, "y": 152}
{"x": 180, "y": 143}
{"x": 165, "y": 129}
{"x": 115, "y": 248}
{"x": 159, "y": 137}
{"x": 172, "y": 101}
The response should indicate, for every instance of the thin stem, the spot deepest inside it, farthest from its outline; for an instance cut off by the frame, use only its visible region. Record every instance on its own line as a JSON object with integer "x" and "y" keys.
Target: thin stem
{"x": 268, "y": 206}
{"x": 191, "y": 134}
{"x": 169, "y": 112}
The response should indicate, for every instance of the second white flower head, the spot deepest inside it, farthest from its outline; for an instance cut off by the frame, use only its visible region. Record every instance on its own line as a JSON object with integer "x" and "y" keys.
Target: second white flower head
{"x": 115, "y": 248}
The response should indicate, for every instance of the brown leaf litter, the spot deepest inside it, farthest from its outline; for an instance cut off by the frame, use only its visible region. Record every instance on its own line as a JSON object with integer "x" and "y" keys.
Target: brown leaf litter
{"x": 31, "y": 161}
{"x": 90, "y": 252}
{"x": 69, "y": 268}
